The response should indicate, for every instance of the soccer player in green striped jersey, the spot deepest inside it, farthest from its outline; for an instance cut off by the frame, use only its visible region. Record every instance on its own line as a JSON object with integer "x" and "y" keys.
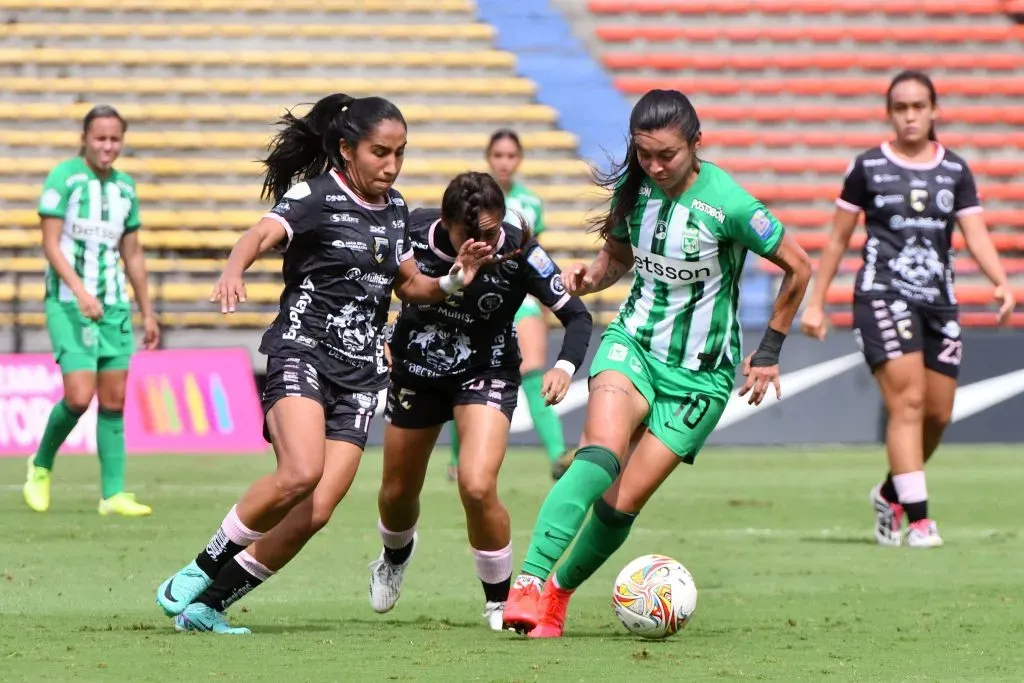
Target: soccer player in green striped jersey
{"x": 666, "y": 366}
{"x": 504, "y": 155}
{"x": 90, "y": 222}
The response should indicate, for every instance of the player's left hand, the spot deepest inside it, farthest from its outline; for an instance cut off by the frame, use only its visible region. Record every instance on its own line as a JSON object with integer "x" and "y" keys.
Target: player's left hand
{"x": 758, "y": 381}
{"x": 555, "y": 386}
{"x": 472, "y": 255}
{"x": 151, "y": 333}
{"x": 1004, "y": 297}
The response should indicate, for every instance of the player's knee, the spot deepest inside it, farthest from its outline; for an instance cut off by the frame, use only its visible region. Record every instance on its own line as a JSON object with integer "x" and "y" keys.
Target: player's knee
{"x": 477, "y": 489}
{"x": 396, "y": 491}
{"x": 935, "y": 422}
{"x": 78, "y": 397}
{"x": 909, "y": 404}
{"x": 297, "y": 481}
{"x": 321, "y": 516}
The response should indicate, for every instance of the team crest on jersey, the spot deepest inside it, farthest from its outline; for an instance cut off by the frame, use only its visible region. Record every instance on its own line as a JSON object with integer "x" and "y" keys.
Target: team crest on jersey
{"x": 918, "y": 200}
{"x": 691, "y": 240}
{"x": 761, "y": 224}
{"x": 541, "y": 262}
{"x": 944, "y": 200}
{"x": 381, "y": 248}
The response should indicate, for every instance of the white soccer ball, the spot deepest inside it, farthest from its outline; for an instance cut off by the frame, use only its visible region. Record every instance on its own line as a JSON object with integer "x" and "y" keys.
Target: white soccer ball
{"x": 654, "y": 596}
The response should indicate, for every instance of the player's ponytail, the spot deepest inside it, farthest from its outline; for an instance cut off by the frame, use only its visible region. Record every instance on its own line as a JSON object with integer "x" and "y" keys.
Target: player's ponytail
{"x": 311, "y": 145}
{"x": 656, "y": 110}
{"x": 923, "y": 79}
{"x": 470, "y": 195}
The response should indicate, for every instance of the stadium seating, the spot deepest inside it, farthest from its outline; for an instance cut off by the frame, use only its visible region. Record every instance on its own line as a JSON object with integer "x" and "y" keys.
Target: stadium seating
{"x": 788, "y": 91}
{"x": 202, "y": 94}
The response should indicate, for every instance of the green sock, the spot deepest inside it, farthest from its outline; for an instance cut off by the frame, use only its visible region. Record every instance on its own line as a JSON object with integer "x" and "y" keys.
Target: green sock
{"x": 562, "y": 514}
{"x": 605, "y": 533}
{"x": 60, "y": 423}
{"x": 110, "y": 447}
{"x": 454, "y": 462}
{"x": 545, "y": 419}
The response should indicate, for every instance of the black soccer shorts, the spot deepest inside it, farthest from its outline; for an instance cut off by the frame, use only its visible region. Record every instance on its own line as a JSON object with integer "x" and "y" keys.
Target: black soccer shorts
{"x": 418, "y": 403}
{"x": 347, "y": 414}
{"x": 887, "y": 328}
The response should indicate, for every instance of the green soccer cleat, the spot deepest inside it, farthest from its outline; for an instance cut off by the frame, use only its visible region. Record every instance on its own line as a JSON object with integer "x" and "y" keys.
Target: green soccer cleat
{"x": 37, "y": 487}
{"x": 205, "y": 619}
{"x": 176, "y": 593}
{"x": 124, "y": 504}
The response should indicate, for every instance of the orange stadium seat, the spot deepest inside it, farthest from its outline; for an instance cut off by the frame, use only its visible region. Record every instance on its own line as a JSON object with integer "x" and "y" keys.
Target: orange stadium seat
{"x": 927, "y": 34}
{"x": 788, "y": 139}
{"x": 967, "y": 295}
{"x": 839, "y": 86}
{"x": 847, "y": 8}
{"x": 816, "y": 241}
{"x": 967, "y": 319}
{"x": 964, "y": 266}
{"x": 826, "y": 61}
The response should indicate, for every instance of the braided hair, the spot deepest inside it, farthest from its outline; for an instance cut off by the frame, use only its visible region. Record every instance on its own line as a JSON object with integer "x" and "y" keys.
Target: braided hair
{"x": 468, "y": 196}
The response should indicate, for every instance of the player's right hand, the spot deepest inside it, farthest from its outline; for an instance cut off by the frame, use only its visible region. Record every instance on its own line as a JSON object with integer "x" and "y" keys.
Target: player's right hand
{"x": 813, "y": 323}
{"x": 90, "y": 306}
{"x": 229, "y": 291}
{"x": 577, "y": 279}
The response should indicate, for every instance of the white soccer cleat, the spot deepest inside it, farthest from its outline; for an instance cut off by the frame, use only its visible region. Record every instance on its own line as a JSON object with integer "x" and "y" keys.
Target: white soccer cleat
{"x": 888, "y": 519}
{"x": 494, "y": 613}
{"x": 923, "y": 534}
{"x": 386, "y": 580}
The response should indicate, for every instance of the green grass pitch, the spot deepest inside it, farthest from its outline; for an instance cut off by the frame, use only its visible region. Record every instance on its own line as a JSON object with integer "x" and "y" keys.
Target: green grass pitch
{"x": 792, "y": 586}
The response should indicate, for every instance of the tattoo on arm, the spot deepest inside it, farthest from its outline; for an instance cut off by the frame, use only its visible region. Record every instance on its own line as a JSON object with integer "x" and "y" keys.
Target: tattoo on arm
{"x": 612, "y": 273}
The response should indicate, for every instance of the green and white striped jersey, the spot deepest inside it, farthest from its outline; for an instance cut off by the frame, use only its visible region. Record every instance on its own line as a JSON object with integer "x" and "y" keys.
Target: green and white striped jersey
{"x": 527, "y": 204}
{"x": 97, "y": 214}
{"x": 688, "y": 257}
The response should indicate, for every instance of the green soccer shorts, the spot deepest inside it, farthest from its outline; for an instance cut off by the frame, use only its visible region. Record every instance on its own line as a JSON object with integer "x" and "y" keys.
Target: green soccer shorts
{"x": 90, "y": 345}
{"x": 529, "y": 307}
{"x": 684, "y": 405}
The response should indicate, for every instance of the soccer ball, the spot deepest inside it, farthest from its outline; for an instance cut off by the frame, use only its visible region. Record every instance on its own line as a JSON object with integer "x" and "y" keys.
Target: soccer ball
{"x": 654, "y": 596}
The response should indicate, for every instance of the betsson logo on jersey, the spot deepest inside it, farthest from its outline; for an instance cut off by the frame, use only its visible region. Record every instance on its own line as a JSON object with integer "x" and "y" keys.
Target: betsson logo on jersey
{"x": 673, "y": 271}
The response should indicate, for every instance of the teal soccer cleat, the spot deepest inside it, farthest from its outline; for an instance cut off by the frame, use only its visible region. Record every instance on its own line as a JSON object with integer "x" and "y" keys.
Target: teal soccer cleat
{"x": 203, "y": 618}
{"x": 178, "y": 592}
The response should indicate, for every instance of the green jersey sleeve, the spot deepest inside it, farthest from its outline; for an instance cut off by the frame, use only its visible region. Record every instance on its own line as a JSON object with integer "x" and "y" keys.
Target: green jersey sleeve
{"x": 133, "y": 221}
{"x": 751, "y": 224}
{"x": 53, "y": 202}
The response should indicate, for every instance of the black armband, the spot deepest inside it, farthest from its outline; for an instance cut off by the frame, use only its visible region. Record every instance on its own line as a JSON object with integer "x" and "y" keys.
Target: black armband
{"x": 767, "y": 353}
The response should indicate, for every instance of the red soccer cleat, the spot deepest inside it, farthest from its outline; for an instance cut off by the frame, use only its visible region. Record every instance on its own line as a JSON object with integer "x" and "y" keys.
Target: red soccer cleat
{"x": 522, "y": 609}
{"x": 554, "y": 602}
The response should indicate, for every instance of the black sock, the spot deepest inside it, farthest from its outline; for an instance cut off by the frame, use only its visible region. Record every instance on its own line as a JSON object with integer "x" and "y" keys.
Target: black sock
{"x": 398, "y": 555}
{"x": 232, "y": 583}
{"x": 217, "y": 553}
{"x": 497, "y": 592}
{"x": 916, "y": 511}
{"x": 888, "y": 490}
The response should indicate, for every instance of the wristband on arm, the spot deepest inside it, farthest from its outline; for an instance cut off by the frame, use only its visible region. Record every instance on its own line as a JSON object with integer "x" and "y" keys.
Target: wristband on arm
{"x": 767, "y": 353}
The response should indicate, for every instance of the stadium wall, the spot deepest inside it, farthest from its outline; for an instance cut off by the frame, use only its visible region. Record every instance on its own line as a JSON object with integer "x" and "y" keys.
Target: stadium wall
{"x": 205, "y": 400}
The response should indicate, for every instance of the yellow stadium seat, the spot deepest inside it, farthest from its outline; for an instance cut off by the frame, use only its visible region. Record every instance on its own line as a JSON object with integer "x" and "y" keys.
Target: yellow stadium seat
{"x": 289, "y": 89}
{"x": 492, "y": 59}
{"x": 184, "y": 166}
{"x": 237, "y": 140}
{"x": 184, "y": 292}
{"x": 418, "y": 194}
{"x": 251, "y": 30}
{"x": 176, "y": 112}
{"x": 156, "y": 266}
{"x": 324, "y": 6}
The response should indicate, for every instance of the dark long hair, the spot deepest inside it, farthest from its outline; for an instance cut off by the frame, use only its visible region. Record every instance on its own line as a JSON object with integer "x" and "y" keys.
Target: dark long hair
{"x": 922, "y": 78}
{"x": 471, "y": 194}
{"x": 100, "y": 111}
{"x": 309, "y": 146}
{"x": 656, "y": 110}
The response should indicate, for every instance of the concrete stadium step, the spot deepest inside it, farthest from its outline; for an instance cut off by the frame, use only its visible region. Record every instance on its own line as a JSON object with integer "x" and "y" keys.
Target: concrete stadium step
{"x": 209, "y": 37}
{"x": 287, "y": 90}
{"x": 36, "y": 10}
{"x": 418, "y": 167}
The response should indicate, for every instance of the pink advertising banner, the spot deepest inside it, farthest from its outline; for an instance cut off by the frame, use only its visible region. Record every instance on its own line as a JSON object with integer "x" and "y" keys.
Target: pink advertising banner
{"x": 177, "y": 401}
